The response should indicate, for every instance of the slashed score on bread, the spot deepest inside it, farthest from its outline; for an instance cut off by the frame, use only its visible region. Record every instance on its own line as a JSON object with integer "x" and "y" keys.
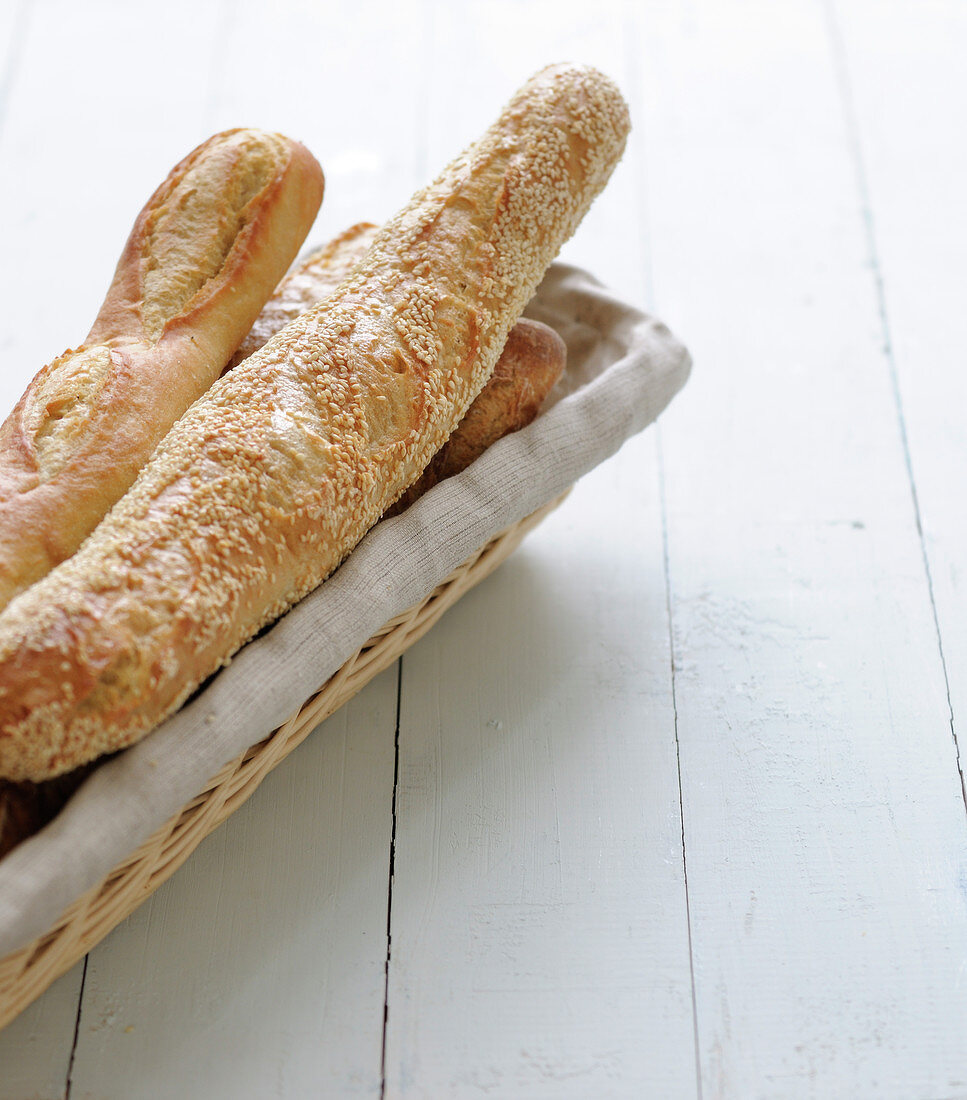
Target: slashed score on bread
{"x": 271, "y": 478}
{"x": 204, "y": 254}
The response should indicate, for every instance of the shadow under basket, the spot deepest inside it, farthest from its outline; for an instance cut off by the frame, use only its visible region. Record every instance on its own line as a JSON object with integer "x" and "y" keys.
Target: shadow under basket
{"x": 26, "y": 973}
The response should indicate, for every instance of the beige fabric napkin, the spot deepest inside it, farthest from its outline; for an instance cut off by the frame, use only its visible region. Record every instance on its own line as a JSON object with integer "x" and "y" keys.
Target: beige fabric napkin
{"x": 623, "y": 369}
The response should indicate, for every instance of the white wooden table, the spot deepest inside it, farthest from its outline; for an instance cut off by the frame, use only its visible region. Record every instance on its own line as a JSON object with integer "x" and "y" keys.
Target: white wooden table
{"x": 672, "y": 805}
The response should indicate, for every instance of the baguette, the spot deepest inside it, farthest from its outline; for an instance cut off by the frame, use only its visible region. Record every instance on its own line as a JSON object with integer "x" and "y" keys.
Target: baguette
{"x": 204, "y": 254}
{"x": 269, "y": 480}
{"x": 530, "y": 363}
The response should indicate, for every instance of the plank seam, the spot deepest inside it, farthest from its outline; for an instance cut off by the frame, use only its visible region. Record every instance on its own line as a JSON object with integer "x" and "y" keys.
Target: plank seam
{"x": 633, "y": 32}
{"x": 666, "y": 563}
{"x": 68, "y": 1083}
{"x": 392, "y": 871}
{"x": 841, "y": 70}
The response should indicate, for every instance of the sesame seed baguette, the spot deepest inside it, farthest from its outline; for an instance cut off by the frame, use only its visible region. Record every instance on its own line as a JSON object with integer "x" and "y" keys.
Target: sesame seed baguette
{"x": 268, "y": 481}
{"x": 205, "y": 252}
{"x": 532, "y": 359}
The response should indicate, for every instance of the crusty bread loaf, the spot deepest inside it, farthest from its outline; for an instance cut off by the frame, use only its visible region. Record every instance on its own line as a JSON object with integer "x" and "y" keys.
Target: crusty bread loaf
{"x": 531, "y": 361}
{"x": 204, "y": 254}
{"x": 272, "y": 477}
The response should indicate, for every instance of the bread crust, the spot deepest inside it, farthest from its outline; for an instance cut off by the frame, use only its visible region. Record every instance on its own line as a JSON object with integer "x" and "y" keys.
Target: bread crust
{"x": 313, "y": 278}
{"x": 530, "y": 363}
{"x": 270, "y": 479}
{"x": 205, "y": 252}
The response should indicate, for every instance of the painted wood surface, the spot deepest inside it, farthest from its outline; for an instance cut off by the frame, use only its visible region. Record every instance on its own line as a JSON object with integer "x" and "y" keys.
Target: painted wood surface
{"x": 824, "y": 824}
{"x": 672, "y": 804}
{"x": 905, "y": 91}
{"x": 263, "y": 965}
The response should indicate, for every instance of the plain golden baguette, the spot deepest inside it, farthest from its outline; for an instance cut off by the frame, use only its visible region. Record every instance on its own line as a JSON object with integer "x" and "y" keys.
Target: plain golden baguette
{"x": 272, "y": 477}
{"x": 204, "y": 254}
{"x": 532, "y": 359}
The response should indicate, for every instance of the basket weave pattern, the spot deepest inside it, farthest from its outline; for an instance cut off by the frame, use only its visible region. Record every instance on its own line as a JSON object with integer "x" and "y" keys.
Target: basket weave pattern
{"x": 26, "y": 973}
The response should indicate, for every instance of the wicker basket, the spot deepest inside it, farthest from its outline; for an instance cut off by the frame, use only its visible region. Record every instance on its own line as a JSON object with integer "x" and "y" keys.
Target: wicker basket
{"x": 26, "y": 973}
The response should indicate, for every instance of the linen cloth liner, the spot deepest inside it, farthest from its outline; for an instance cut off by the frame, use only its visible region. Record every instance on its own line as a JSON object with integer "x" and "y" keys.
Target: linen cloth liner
{"x": 623, "y": 368}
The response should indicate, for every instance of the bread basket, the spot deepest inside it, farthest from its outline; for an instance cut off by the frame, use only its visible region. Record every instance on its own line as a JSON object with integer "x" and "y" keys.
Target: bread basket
{"x": 140, "y": 815}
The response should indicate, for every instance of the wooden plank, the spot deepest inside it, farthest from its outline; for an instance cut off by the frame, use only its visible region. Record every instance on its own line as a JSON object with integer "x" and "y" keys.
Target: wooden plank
{"x": 901, "y": 68}
{"x": 539, "y": 946}
{"x": 35, "y": 1049}
{"x": 349, "y": 88}
{"x": 539, "y": 936}
{"x": 258, "y": 969}
{"x": 824, "y": 826}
